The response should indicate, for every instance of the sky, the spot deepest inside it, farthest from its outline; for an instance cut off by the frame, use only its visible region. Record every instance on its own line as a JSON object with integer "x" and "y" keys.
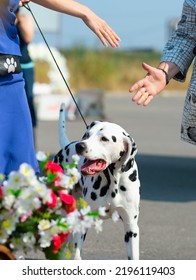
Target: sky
{"x": 140, "y": 24}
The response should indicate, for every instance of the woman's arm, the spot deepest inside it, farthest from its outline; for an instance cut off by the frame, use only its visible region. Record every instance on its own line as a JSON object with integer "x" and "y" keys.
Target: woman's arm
{"x": 154, "y": 82}
{"x": 26, "y": 27}
{"x": 94, "y": 22}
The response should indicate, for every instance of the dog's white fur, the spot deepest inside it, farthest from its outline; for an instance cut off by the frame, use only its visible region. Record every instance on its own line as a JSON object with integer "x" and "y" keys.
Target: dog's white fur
{"x": 116, "y": 187}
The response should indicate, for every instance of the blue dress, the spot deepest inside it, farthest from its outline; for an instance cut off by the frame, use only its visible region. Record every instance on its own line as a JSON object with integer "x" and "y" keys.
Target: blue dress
{"x": 16, "y": 138}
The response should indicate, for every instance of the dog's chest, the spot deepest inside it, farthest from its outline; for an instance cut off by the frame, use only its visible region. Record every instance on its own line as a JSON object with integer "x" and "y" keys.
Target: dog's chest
{"x": 103, "y": 190}
{"x": 99, "y": 190}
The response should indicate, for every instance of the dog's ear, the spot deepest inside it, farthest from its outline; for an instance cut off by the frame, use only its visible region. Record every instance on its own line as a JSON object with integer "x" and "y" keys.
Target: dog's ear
{"x": 92, "y": 124}
{"x": 86, "y": 134}
{"x": 130, "y": 150}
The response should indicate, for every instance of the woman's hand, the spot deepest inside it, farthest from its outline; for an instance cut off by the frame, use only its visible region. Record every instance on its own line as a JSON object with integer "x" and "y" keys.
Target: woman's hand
{"x": 148, "y": 87}
{"x": 103, "y": 31}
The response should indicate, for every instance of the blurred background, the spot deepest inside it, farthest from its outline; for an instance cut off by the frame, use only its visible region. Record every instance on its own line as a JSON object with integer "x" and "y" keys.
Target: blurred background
{"x": 143, "y": 26}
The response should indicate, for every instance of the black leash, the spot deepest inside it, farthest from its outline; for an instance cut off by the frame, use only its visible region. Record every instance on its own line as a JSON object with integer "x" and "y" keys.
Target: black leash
{"x": 29, "y": 9}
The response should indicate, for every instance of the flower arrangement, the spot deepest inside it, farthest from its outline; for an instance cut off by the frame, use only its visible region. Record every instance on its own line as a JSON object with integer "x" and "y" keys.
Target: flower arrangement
{"x": 39, "y": 212}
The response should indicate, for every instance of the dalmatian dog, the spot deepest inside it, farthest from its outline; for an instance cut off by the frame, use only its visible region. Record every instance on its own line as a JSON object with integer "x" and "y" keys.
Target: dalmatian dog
{"x": 109, "y": 175}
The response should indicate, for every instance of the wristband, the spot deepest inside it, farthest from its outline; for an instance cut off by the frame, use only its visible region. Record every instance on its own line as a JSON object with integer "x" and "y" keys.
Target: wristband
{"x": 166, "y": 75}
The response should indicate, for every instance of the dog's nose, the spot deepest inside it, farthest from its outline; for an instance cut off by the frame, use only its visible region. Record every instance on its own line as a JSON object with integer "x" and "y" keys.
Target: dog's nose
{"x": 80, "y": 147}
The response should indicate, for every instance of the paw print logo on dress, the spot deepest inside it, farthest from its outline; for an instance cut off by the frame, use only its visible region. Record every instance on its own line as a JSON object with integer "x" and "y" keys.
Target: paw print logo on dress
{"x": 10, "y": 65}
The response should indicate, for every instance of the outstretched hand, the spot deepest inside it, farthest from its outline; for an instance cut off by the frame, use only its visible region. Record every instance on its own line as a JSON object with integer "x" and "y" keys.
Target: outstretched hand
{"x": 102, "y": 30}
{"x": 148, "y": 87}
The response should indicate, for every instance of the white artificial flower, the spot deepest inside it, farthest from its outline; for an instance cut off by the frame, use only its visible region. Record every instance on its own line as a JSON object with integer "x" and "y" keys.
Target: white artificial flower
{"x": 3, "y": 236}
{"x": 9, "y": 225}
{"x": 98, "y": 225}
{"x": 74, "y": 221}
{"x": 26, "y": 170}
{"x": 102, "y": 211}
{"x": 85, "y": 210}
{"x": 41, "y": 190}
{"x": 22, "y": 207}
{"x": 8, "y": 201}
{"x": 16, "y": 180}
{"x": 74, "y": 172}
{"x": 45, "y": 240}
{"x": 75, "y": 158}
{"x": 36, "y": 203}
{"x": 86, "y": 223}
{"x": 41, "y": 156}
{"x": 44, "y": 225}
{"x": 64, "y": 180}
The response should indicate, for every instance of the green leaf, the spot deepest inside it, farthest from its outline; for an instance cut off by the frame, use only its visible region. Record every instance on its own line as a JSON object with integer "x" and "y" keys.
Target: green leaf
{"x": 16, "y": 193}
{"x": 93, "y": 214}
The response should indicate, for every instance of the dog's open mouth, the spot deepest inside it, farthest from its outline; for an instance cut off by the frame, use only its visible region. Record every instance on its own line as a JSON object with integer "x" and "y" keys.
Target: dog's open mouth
{"x": 91, "y": 167}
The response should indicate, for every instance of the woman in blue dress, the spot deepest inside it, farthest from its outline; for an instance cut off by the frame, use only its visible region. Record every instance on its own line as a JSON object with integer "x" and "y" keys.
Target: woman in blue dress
{"x": 16, "y": 138}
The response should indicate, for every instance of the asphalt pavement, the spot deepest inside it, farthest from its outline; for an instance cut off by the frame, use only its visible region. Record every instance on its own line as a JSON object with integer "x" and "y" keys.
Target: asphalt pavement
{"x": 167, "y": 173}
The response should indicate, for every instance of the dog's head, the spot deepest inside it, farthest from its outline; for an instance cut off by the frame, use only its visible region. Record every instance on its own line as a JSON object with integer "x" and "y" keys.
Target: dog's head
{"x": 103, "y": 144}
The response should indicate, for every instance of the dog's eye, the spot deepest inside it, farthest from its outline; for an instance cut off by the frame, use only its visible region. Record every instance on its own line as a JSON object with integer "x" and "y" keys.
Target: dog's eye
{"x": 104, "y": 139}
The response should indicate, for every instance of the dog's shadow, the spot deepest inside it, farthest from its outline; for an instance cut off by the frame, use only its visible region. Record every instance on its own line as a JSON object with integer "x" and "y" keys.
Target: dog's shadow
{"x": 165, "y": 178}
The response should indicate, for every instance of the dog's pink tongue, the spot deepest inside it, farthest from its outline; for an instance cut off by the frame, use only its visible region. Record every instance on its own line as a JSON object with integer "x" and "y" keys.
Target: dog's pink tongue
{"x": 91, "y": 167}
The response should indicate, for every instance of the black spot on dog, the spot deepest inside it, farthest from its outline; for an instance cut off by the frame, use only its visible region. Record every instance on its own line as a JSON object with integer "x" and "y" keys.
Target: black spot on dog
{"x": 93, "y": 196}
{"x": 82, "y": 179}
{"x": 97, "y": 183}
{"x": 59, "y": 158}
{"x": 134, "y": 149}
{"x": 91, "y": 125}
{"x": 133, "y": 176}
{"x": 104, "y": 190}
{"x": 83, "y": 236}
{"x": 112, "y": 168}
{"x": 85, "y": 191}
{"x": 122, "y": 154}
{"x": 128, "y": 166}
{"x": 113, "y": 194}
{"x": 135, "y": 217}
{"x": 114, "y": 138}
{"x": 116, "y": 191}
{"x": 122, "y": 188}
{"x": 85, "y": 136}
{"x": 67, "y": 150}
{"x": 128, "y": 235}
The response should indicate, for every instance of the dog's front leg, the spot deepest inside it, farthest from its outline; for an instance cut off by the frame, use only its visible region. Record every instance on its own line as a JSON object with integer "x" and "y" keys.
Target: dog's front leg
{"x": 78, "y": 240}
{"x": 131, "y": 237}
{"x": 132, "y": 241}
